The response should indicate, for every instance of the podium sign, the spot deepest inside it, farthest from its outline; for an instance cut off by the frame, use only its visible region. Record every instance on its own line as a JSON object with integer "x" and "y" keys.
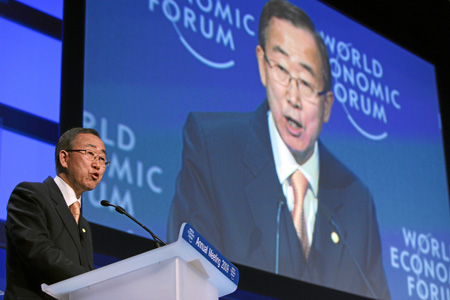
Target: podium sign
{"x": 189, "y": 268}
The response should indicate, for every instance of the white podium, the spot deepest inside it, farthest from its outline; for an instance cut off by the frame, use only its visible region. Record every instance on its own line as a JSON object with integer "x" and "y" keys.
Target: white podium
{"x": 188, "y": 269}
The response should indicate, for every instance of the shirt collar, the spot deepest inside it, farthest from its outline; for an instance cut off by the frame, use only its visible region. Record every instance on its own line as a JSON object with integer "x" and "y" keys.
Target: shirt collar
{"x": 285, "y": 162}
{"x": 67, "y": 191}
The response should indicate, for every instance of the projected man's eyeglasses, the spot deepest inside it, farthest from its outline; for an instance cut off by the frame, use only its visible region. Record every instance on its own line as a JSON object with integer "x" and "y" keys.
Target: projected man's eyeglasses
{"x": 306, "y": 88}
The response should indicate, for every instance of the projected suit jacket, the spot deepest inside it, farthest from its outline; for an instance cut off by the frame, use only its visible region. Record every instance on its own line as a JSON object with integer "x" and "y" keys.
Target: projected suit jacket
{"x": 44, "y": 243}
{"x": 228, "y": 190}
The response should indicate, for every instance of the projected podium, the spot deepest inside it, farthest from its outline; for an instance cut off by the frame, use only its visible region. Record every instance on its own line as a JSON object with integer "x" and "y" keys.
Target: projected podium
{"x": 190, "y": 268}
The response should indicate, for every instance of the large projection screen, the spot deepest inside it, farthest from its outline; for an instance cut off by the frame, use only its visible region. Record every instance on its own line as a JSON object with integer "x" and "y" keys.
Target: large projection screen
{"x": 149, "y": 63}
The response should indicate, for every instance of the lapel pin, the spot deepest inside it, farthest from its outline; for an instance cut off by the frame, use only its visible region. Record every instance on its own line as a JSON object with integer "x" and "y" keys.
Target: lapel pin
{"x": 84, "y": 230}
{"x": 335, "y": 237}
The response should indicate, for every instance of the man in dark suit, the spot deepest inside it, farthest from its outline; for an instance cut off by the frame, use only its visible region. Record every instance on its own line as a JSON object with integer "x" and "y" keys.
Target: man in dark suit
{"x": 47, "y": 238}
{"x": 264, "y": 190}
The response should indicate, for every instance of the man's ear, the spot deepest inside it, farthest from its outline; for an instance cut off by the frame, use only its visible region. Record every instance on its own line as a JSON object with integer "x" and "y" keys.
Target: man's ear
{"x": 328, "y": 103}
{"x": 261, "y": 64}
{"x": 63, "y": 158}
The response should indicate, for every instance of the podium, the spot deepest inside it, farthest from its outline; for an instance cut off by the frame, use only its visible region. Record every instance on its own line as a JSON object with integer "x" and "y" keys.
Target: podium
{"x": 189, "y": 268}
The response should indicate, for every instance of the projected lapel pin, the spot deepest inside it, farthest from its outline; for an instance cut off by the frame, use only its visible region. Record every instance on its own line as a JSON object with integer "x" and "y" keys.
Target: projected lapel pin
{"x": 335, "y": 237}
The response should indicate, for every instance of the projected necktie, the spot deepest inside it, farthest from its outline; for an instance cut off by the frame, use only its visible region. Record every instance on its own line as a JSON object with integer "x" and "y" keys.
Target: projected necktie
{"x": 299, "y": 185}
{"x": 75, "y": 210}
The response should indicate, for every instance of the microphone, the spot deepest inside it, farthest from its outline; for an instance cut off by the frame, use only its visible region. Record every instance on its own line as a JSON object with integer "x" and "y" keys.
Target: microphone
{"x": 281, "y": 201}
{"x": 327, "y": 214}
{"x": 120, "y": 210}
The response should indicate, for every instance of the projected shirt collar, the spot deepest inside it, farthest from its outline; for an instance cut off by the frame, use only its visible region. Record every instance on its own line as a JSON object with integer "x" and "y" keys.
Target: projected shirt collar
{"x": 67, "y": 191}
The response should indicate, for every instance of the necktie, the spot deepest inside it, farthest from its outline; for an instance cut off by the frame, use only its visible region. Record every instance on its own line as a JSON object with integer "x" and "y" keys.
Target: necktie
{"x": 75, "y": 210}
{"x": 299, "y": 185}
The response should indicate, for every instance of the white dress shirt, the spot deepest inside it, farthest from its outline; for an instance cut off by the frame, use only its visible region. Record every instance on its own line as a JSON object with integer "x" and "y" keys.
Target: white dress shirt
{"x": 285, "y": 165}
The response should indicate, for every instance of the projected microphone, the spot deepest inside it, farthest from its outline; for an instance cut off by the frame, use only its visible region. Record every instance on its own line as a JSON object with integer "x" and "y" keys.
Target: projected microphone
{"x": 119, "y": 209}
{"x": 327, "y": 214}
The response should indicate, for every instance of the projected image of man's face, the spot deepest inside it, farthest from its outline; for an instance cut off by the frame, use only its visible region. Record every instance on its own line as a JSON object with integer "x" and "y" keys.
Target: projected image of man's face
{"x": 291, "y": 72}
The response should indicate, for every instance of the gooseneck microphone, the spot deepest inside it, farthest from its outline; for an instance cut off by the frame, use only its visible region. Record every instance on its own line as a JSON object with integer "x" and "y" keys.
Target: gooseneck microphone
{"x": 327, "y": 214}
{"x": 120, "y": 210}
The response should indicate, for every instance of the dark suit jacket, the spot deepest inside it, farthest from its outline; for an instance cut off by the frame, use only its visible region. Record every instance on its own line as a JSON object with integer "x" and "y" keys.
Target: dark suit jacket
{"x": 44, "y": 243}
{"x": 229, "y": 191}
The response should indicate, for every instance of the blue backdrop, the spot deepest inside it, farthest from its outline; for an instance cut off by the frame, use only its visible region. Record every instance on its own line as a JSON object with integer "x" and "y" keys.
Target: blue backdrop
{"x": 149, "y": 63}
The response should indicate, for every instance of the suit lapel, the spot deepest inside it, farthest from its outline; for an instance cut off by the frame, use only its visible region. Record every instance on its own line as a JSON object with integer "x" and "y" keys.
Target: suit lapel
{"x": 86, "y": 238}
{"x": 327, "y": 253}
{"x": 263, "y": 192}
{"x": 64, "y": 213}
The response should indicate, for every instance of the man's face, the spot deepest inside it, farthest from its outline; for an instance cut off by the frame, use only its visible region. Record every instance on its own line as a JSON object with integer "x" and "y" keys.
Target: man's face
{"x": 82, "y": 174}
{"x": 298, "y": 118}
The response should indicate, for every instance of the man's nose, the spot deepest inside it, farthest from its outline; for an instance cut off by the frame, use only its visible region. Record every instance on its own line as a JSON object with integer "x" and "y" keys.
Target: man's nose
{"x": 96, "y": 163}
{"x": 294, "y": 97}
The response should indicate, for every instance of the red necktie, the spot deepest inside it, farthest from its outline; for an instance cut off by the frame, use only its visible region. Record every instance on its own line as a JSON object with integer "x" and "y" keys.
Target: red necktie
{"x": 299, "y": 185}
{"x": 75, "y": 210}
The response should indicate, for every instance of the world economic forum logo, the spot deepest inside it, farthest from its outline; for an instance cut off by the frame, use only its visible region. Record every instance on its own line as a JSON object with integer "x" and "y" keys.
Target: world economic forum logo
{"x": 207, "y": 28}
{"x": 360, "y": 87}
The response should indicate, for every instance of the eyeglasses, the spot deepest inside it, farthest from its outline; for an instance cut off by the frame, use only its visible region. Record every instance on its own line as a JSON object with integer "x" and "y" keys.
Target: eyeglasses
{"x": 90, "y": 155}
{"x": 306, "y": 89}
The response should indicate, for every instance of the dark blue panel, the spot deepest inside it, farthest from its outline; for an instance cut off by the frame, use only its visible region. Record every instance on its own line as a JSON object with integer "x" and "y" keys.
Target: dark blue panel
{"x": 51, "y": 7}
{"x": 31, "y": 69}
{"x": 31, "y": 18}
